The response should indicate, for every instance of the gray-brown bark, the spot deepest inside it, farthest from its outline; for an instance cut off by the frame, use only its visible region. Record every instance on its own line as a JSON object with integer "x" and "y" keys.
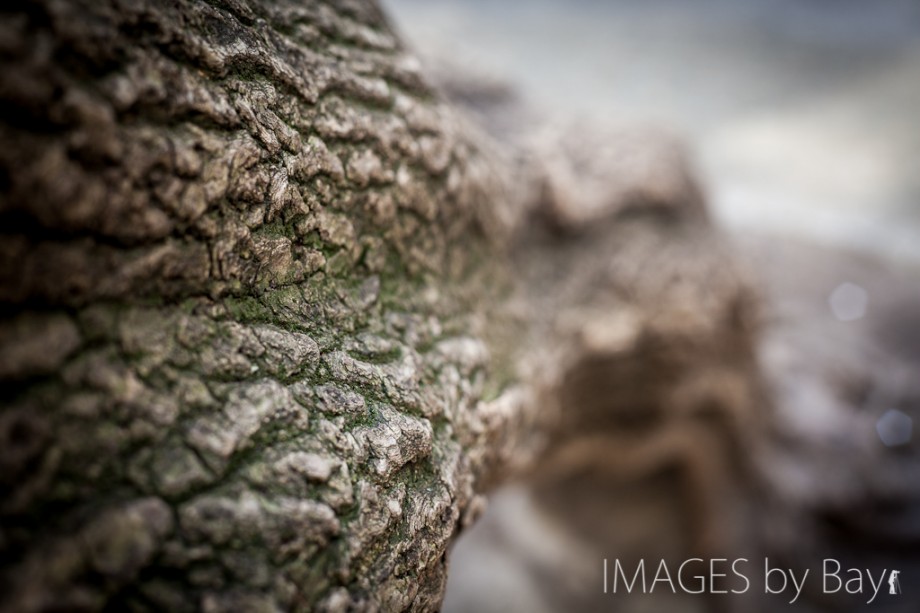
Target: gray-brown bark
{"x": 274, "y": 318}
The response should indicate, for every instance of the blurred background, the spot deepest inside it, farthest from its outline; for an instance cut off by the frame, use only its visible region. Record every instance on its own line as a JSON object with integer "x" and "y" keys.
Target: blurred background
{"x": 803, "y": 113}
{"x": 803, "y": 119}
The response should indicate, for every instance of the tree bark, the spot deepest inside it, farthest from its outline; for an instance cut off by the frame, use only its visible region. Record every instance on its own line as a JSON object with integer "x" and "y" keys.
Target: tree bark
{"x": 274, "y": 317}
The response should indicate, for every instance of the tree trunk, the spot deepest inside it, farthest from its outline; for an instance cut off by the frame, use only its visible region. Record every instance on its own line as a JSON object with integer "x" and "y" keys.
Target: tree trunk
{"x": 274, "y": 318}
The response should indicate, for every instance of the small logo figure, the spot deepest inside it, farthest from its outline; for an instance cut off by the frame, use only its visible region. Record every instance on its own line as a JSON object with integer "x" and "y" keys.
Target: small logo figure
{"x": 894, "y": 586}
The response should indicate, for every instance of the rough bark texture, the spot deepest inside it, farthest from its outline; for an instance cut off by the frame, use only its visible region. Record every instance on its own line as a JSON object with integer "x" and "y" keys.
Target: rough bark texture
{"x": 274, "y": 317}
{"x": 245, "y": 234}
